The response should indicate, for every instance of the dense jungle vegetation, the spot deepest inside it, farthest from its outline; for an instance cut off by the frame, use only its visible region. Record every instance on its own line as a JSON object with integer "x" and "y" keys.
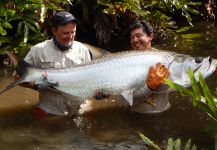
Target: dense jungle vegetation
{"x": 24, "y": 23}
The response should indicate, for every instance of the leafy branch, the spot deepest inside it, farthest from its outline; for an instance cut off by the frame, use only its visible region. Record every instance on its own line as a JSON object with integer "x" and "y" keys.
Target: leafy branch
{"x": 171, "y": 144}
{"x": 201, "y": 95}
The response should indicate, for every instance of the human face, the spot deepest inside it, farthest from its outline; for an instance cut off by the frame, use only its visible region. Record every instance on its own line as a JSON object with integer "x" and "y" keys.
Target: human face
{"x": 140, "y": 40}
{"x": 65, "y": 34}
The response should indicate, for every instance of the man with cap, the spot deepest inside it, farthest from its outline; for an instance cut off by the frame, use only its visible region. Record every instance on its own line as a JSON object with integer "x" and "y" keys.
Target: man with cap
{"x": 62, "y": 51}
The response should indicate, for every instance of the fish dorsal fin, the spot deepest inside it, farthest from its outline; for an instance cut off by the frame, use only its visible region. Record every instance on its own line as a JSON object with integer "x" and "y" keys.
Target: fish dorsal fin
{"x": 128, "y": 95}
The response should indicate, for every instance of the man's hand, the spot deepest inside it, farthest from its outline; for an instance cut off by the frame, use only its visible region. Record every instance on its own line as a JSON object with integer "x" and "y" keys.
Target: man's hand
{"x": 42, "y": 83}
{"x": 156, "y": 76}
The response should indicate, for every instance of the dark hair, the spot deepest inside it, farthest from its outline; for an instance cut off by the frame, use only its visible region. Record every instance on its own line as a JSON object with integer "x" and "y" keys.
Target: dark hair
{"x": 147, "y": 28}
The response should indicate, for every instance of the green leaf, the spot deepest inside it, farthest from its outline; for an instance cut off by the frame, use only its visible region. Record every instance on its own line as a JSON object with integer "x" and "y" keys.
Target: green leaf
{"x": 204, "y": 107}
{"x": 195, "y": 87}
{"x": 4, "y": 40}
{"x": 183, "y": 90}
{"x": 26, "y": 33}
{"x": 33, "y": 23}
{"x": 7, "y": 25}
{"x": 149, "y": 142}
{"x": 31, "y": 27}
{"x": 188, "y": 145}
{"x": 194, "y": 3}
{"x": 43, "y": 13}
{"x": 207, "y": 93}
{"x": 19, "y": 27}
{"x": 154, "y": 2}
{"x": 3, "y": 31}
{"x": 194, "y": 147}
{"x": 177, "y": 144}
{"x": 191, "y": 36}
{"x": 183, "y": 29}
{"x": 15, "y": 18}
{"x": 193, "y": 11}
{"x": 187, "y": 16}
{"x": 170, "y": 144}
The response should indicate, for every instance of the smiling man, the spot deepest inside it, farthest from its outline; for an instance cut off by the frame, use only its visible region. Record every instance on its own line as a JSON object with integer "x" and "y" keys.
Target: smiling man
{"x": 146, "y": 100}
{"x": 62, "y": 51}
{"x": 141, "y": 36}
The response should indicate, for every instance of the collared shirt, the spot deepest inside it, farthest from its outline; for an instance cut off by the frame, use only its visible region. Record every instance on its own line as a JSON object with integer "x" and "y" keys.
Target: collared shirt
{"x": 46, "y": 55}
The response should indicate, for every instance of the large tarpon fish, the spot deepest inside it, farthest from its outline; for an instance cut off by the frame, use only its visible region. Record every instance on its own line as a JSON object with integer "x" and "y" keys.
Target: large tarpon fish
{"x": 118, "y": 73}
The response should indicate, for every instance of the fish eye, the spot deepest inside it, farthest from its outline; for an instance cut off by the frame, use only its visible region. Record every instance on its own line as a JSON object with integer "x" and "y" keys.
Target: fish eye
{"x": 198, "y": 59}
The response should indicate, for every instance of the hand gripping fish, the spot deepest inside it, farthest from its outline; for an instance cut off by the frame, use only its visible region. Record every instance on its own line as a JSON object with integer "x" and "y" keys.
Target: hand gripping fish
{"x": 116, "y": 74}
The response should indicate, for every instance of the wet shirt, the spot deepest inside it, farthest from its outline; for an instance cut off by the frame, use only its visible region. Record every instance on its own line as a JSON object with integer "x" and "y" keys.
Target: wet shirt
{"x": 148, "y": 101}
{"x": 46, "y": 55}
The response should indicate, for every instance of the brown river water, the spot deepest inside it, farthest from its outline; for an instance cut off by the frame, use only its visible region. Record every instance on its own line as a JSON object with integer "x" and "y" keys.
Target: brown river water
{"x": 109, "y": 126}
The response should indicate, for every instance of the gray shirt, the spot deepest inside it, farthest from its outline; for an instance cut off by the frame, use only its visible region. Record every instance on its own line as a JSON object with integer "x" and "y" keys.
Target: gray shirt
{"x": 46, "y": 55}
{"x": 148, "y": 101}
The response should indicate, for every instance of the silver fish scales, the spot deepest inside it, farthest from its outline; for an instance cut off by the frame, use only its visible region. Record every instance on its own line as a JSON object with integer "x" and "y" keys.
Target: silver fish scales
{"x": 120, "y": 73}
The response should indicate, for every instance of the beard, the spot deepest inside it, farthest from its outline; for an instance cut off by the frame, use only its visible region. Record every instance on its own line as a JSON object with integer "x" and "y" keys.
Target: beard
{"x": 61, "y": 46}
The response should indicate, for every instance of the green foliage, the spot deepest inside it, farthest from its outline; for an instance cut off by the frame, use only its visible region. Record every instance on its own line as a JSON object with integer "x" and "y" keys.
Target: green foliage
{"x": 202, "y": 98}
{"x": 148, "y": 141}
{"x": 171, "y": 144}
{"x": 22, "y": 23}
{"x": 156, "y": 12}
{"x": 111, "y": 17}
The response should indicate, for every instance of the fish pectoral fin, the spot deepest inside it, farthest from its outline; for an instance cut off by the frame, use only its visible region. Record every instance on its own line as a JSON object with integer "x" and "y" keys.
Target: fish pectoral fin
{"x": 54, "y": 89}
{"x": 70, "y": 104}
{"x": 128, "y": 95}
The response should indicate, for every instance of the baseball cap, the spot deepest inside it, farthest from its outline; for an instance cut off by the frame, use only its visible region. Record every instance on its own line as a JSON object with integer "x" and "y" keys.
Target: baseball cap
{"x": 62, "y": 18}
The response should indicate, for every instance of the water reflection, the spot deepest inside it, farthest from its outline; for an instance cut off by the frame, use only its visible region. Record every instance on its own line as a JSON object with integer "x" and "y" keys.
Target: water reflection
{"x": 108, "y": 128}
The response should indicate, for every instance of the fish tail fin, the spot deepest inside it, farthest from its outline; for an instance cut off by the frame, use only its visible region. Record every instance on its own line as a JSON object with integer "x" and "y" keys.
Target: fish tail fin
{"x": 12, "y": 85}
{"x": 21, "y": 68}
